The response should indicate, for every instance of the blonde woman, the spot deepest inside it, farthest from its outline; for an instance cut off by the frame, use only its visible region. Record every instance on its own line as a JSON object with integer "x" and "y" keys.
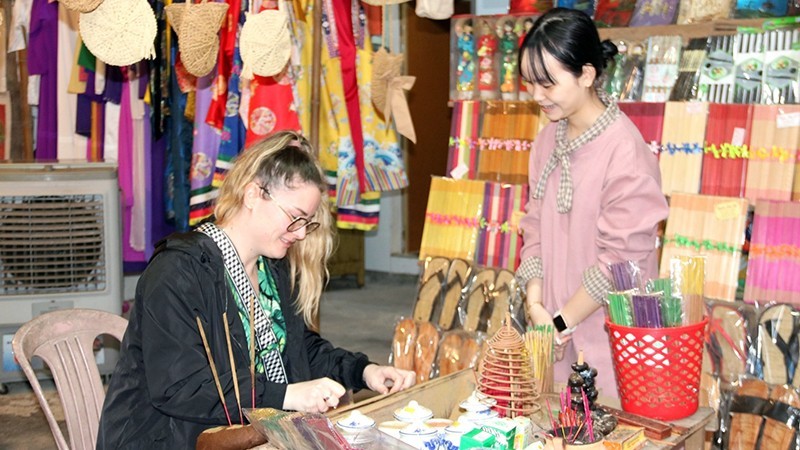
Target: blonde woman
{"x": 260, "y": 265}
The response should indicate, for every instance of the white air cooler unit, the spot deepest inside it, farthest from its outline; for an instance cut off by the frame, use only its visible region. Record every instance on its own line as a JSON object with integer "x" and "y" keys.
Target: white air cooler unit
{"x": 59, "y": 249}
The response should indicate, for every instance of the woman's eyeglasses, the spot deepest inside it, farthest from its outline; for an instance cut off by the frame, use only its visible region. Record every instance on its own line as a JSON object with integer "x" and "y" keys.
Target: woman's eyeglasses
{"x": 297, "y": 223}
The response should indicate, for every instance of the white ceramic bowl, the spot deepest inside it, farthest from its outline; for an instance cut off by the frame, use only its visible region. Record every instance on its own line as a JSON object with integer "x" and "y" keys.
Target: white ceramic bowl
{"x": 413, "y": 412}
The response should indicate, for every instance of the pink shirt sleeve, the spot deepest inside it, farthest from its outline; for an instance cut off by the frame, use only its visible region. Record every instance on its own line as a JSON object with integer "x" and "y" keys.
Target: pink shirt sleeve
{"x": 632, "y": 205}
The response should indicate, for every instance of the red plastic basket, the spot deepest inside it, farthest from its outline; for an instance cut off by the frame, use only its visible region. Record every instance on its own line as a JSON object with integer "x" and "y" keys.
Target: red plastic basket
{"x": 658, "y": 369}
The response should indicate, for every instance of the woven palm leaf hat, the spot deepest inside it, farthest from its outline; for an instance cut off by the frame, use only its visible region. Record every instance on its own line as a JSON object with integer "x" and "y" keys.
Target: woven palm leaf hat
{"x": 197, "y": 26}
{"x": 83, "y": 6}
{"x": 120, "y": 32}
{"x": 265, "y": 42}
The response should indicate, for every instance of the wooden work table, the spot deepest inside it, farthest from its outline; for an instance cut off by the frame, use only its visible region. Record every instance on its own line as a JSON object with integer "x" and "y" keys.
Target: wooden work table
{"x": 442, "y": 396}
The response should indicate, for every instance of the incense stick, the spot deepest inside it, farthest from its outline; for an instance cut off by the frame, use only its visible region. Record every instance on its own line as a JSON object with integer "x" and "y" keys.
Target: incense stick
{"x": 213, "y": 368}
{"x": 233, "y": 365}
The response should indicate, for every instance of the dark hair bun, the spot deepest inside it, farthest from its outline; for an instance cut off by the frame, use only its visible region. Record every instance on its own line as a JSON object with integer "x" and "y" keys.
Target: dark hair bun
{"x": 609, "y": 49}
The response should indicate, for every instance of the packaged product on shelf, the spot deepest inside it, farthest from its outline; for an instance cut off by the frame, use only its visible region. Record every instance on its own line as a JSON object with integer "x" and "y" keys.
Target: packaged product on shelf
{"x": 748, "y": 58}
{"x": 524, "y": 24}
{"x": 726, "y": 152}
{"x": 499, "y": 241}
{"x": 782, "y": 66}
{"x": 772, "y": 269}
{"x": 586, "y": 6}
{"x": 462, "y": 156}
{"x": 773, "y": 150}
{"x": 509, "y": 50}
{"x": 654, "y": 12}
{"x": 486, "y": 49}
{"x": 661, "y": 69}
{"x": 748, "y": 9}
{"x": 682, "y": 140}
{"x": 694, "y": 11}
{"x": 530, "y": 6}
{"x": 702, "y": 227}
{"x": 687, "y": 84}
{"x": 731, "y": 333}
{"x": 463, "y": 59}
{"x": 633, "y": 74}
{"x": 717, "y": 74}
{"x": 649, "y": 119}
{"x": 507, "y": 133}
{"x": 777, "y": 328}
{"x": 615, "y": 72}
{"x": 452, "y": 218}
{"x": 613, "y": 13}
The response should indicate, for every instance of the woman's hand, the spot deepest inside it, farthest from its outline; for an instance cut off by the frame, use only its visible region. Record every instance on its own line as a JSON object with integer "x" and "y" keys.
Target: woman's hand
{"x": 388, "y": 379}
{"x": 315, "y": 396}
{"x": 540, "y": 316}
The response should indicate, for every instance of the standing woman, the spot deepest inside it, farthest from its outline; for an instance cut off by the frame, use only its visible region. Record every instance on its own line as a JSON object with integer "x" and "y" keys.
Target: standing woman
{"x": 595, "y": 191}
{"x": 265, "y": 252}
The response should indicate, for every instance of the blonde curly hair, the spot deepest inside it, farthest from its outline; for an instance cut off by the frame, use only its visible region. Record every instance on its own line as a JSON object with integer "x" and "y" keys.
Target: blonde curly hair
{"x": 284, "y": 160}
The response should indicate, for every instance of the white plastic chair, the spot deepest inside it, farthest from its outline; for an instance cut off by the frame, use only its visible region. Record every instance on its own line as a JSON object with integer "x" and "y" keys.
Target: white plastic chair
{"x": 63, "y": 340}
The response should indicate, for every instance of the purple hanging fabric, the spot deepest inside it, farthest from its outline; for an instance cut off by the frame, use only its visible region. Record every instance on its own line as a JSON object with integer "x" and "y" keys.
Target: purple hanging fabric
{"x": 42, "y": 48}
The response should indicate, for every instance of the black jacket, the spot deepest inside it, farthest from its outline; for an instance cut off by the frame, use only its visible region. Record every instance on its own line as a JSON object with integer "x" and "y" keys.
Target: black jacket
{"x": 162, "y": 393}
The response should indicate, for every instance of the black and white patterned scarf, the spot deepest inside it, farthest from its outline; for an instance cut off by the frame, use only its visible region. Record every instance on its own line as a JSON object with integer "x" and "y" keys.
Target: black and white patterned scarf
{"x": 564, "y": 149}
{"x": 265, "y": 337}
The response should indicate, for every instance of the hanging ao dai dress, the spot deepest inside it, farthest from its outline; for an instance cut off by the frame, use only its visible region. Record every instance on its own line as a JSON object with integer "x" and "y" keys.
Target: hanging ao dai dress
{"x": 356, "y": 146}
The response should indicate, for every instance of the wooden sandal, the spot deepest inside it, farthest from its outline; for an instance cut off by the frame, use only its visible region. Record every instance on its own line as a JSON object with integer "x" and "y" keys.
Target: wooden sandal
{"x": 778, "y": 434}
{"x": 777, "y": 329}
{"x": 479, "y": 298}
{"x": 431, "y": 284}
{"x": 458, "y": 277}
{"x": 503, "y": 295}
{"x": 727, "y": 331}
{"x": 748, "y": 406}
{"x": 426, "y": 348}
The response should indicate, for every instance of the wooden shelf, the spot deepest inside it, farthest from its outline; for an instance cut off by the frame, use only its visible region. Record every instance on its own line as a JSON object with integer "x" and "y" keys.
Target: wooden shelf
{"x": 689, "y": 31}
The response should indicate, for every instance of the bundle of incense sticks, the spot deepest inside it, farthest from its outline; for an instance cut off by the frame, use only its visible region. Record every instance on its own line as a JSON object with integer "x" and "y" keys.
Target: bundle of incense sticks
{"x": 781, "y": 86}
{"x": 717, "y": 75}
{"x": 649, "y": 119}
{"x": 773, "y": 150}
{"x": 682, "y": 146}
{"x": 573, "y": 426}
{"x": 647, "y": 310}
{"x": 711, "y": 228}
{"x": 506, "y": 138}
{"x": 726, "y": 150}
{"x": 499, "y": 242}
{"x": 462, "y": 157}
{"x": 539, "y": 344}
{"x": 748, "y": 57}
{"x": 772, "y": 270}
{"x": 688, "y": 275}
{"x": 452, "y": 218}
{"x": 661, "y": 67}
{"x": 671, "y": 305}
{"x": 686, "y": 86}
{"x": 625, "y": 275}
{"x": 619, "y": 308}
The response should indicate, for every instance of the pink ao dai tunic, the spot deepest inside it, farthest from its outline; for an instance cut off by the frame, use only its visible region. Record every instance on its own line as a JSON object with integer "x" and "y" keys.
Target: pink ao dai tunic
{"x": 617, "y": 205}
